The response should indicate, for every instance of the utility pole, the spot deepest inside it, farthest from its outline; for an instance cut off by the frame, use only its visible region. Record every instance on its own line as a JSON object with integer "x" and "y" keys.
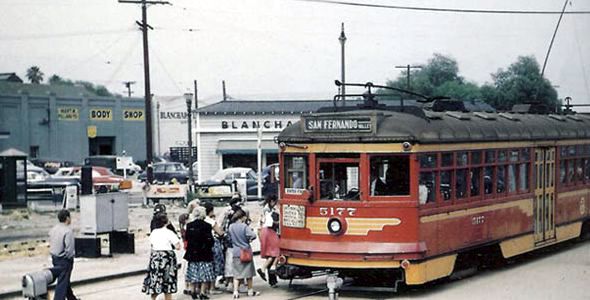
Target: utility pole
{"x": 408, "y": 67}
{"x": 158, "y": 120}
{"x": 223, "y": 86}
{"x": 146, "y": 70}
{"x": 342, "y": 40}
{"x": 196, "y": 96}
{"x": 128, "y": 86}
{"x": 408, "y": 84}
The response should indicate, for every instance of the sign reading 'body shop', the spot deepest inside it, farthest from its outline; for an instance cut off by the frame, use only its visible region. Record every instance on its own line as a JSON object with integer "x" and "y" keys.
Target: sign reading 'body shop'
{"x": 352, "y": 124}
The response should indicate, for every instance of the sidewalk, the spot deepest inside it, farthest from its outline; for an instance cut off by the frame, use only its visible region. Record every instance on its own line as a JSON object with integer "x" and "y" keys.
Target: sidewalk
{"x": 85, "y": 269}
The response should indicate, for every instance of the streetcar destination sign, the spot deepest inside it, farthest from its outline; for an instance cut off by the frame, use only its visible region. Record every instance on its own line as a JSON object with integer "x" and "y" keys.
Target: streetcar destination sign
{"x": 346, "y": 124}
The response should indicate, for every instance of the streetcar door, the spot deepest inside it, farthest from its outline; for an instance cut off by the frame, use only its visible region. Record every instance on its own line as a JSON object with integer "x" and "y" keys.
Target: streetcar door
{"x": 544, "y": 205}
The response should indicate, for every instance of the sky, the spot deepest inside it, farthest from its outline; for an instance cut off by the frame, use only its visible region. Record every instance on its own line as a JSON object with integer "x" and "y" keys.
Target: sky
{"x": 285, "y": 49}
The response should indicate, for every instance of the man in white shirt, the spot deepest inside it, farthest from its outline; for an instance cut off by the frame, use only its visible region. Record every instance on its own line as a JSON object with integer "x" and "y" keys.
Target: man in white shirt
{"x": 62, "y": 249}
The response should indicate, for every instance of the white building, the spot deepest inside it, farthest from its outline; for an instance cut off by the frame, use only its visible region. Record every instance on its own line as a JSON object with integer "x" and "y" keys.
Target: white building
{"x": 226, "y": 133}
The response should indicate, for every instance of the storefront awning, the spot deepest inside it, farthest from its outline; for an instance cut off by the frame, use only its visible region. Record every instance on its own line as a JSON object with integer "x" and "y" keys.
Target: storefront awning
{"x": 245, "y": 146}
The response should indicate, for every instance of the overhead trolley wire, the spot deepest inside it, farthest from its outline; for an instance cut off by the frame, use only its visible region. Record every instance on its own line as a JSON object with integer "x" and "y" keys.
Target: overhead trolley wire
{"x": 65, "y": 34}
{"x": 448, "y": 10}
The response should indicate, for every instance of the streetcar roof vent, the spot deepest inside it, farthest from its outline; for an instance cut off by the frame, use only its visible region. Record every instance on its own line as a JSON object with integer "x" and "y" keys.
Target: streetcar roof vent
{"x": 574, "y": 117}
{"x": 558, "y": 118}
{"x": 484, "y": 116}
{"x": 509, "y": 117}
{"x": 445, "y": 104}
{"x": 531, "y": 108}
{"x": 457, "y": 115}
{"x": 432, "y": 115}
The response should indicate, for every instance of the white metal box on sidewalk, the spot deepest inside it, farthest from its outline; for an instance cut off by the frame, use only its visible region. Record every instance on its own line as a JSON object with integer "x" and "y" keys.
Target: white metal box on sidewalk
{"x": 102, "y": 213}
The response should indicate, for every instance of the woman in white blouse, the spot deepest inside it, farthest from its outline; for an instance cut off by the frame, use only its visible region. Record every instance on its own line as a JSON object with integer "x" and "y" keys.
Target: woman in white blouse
{"x": 163, "y": 269}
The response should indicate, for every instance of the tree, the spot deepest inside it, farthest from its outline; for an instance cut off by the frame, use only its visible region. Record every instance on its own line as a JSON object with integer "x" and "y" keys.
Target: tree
{"x": 35, "y": 75}
{"x": 57, "y": 80}
{"x": 99, "y": 90}
{"x": 438, "y": 77}
{"x": 520, "y": 83}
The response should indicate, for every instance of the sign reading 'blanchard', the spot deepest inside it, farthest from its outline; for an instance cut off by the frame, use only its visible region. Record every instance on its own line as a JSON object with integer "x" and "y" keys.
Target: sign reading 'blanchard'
{"x": 341, "y": 124}
{"x": 255, "y": 124}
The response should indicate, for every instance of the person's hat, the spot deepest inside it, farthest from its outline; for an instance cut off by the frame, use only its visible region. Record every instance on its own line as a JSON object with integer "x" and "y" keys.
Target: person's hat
{"x": 159, "y": 208}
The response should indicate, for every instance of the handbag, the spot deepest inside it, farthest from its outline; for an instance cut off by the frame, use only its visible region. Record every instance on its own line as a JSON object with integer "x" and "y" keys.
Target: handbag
{"x": 246, "y": 255}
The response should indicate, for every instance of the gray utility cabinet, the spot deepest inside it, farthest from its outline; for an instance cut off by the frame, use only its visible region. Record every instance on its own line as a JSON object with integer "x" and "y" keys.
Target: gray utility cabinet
{"x": 102, "y": 213}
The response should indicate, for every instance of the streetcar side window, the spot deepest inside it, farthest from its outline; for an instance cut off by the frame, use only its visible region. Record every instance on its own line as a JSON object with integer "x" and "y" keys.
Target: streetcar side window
{"x": 295, "y": 172}
{"x": 427, "y": 181}
{"x": 339, "y": 181}
{"x": 390, "y": 175}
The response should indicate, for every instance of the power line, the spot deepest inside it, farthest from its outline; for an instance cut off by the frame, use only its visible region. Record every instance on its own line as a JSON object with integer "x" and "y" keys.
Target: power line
{"x": 103, "y": 51}
{"x": 584, "y": 76}
{"x": 449, "y": 10}
{"x": 64, "y": 34}
{"x": 123, "y": 60}
{"x": 165, "y": 69}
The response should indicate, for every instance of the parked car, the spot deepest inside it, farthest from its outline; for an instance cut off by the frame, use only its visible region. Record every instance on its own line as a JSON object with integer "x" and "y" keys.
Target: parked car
{"x": 51, "y": 165}
{"x": 246, "y": 179}
{"x": 103, "y": 180}
{"x": 166, "y": 172}
{"x": 34, "y": 173}
{"x": 110, "y": 162}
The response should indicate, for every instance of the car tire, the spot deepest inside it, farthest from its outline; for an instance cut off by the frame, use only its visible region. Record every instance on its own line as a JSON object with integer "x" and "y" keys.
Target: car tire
{"x": 102, "y": 189}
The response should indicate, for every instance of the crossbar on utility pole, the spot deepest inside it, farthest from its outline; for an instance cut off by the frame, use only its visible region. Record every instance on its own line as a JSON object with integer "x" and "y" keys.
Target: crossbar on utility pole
{"x": 128, "y": 84}
{"x": 408, "y": 85}
{"x": 144, "y": 26}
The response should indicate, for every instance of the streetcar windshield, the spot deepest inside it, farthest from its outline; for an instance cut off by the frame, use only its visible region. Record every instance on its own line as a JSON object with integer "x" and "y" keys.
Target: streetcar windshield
{"x": 339, "y": 180}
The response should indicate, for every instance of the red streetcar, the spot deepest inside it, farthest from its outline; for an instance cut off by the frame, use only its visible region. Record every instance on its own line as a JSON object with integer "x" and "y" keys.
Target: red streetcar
{"x": 413, "y": 194}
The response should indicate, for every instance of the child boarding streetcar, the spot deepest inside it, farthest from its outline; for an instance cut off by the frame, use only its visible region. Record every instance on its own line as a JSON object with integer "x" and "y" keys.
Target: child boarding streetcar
{"x": 408, "y": 194}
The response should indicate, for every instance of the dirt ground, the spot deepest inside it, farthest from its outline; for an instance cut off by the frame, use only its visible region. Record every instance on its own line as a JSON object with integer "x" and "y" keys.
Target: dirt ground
{"x": 24, "y": 225}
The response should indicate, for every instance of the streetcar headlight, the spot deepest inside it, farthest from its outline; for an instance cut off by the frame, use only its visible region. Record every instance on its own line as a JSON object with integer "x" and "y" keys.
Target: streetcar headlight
{"x": 335, "y": 226}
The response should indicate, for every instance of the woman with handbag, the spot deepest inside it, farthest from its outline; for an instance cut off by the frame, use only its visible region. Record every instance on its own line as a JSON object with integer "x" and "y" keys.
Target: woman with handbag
{"x": 162, "y": 269}
{"x": 243, "y": 262}
{"x": 199, "y": 254}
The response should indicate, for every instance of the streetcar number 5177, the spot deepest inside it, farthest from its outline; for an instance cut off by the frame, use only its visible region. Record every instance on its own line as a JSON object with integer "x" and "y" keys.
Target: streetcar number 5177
{"x": 339, "y": 211}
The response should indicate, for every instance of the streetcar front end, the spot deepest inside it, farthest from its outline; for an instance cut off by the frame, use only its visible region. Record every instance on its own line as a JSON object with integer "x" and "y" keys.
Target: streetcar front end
{"x": 350, "y": 208}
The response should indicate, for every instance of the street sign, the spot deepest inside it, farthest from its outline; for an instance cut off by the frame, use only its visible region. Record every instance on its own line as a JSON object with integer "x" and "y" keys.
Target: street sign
{"x": 124, "y": 162}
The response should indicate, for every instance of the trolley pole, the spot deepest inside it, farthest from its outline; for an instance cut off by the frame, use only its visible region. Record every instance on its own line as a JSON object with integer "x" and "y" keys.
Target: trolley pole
{"x": 144, "y": 26}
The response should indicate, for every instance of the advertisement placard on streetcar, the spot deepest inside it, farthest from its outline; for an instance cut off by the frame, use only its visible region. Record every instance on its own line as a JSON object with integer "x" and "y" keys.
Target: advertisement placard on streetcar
{"x": 294, "y": 216}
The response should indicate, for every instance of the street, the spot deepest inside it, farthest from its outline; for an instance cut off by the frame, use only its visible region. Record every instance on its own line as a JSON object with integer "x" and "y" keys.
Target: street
{"x": 557, "y": 273}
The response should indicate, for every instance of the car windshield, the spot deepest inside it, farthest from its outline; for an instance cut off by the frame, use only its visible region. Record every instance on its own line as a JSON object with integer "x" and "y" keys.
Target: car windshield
{"x": 174, "y": 167}
{"x": 108, "y": 172}
{"x": 251, "y": 175}
{"x": 159, "y": 168}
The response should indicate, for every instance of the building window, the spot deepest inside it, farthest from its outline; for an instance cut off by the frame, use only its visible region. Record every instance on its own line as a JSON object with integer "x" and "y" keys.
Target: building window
{"x": 34, "y": 152}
